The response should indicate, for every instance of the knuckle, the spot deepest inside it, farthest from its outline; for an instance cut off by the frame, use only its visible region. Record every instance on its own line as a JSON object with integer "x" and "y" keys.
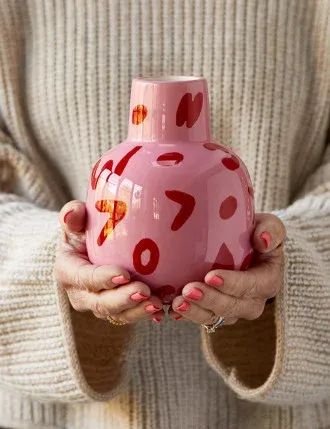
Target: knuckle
{"x": 252, "y": 289}
{"x": 99, "y": 308}
{"x": 92, "y": 278}
{"x": 241, "y": 285}
{"x": 231, "y": 306}
{"x": 255, "y": 311}
{"x": 77, "y": 304}
{"x": 79, "y": 275}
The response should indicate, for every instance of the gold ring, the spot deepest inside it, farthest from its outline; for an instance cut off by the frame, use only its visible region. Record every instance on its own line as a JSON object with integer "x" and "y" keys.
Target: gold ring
{"x": 115, "y": 322}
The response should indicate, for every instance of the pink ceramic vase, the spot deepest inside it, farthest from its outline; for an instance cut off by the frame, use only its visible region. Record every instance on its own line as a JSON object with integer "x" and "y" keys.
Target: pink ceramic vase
{"x": 168, "y": 204}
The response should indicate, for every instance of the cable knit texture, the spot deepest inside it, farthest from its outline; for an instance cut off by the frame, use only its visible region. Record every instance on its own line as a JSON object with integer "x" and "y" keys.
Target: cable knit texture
{"x": 65, "y": 77}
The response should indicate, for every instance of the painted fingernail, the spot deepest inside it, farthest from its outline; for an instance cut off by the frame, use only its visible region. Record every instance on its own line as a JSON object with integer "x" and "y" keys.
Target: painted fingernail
{"x": 265, "y": 236}
{"x": 195, "y": 294}
{"x": 119, "y": 280}
{"x": 157, "y": 319}
{"x": 178, "y": 317}
{"x": 216, "y": 281}
{"x": 139, "y": 296}
{"x": 150, "y": 308}
{"x": 184, "y": 306}
{"x": 65, "y": 218}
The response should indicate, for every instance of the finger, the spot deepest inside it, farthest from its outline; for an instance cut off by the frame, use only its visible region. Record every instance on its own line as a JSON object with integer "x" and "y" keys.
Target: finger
{"x": 105, "y": 304}
{"x": 142, "y": 311}
{"x": 73, "y": 216}
{"x": 263, "y": 280}
{"x": 73, "y": 221}
{"x": 175, "y": 316}
{"x": 72, "y": 269}
{"x": 122, "y": 298}
{"x": 192, "y": 311}
{"x": 222, "y": 304}
{"x": 269, "y": 232}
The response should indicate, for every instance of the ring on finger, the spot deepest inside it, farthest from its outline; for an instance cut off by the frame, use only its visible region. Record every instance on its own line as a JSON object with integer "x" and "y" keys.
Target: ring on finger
{"x": 218, "y": 321}
{"x": 115, "y": 322}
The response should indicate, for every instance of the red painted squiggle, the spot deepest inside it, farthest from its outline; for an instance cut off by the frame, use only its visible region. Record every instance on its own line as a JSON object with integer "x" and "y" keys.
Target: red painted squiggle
{"x": 187, "y": 202}
{"x": 117, "y": 211}
{"x": 146, "y": 244}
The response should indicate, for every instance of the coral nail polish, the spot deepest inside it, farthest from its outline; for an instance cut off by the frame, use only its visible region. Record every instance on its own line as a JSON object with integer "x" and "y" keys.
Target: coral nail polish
{"x": 119, "y": 280}
{"x": 216, "y": 281}
{"x": 265, "y": 236}
{"x": 157, "y": 319}
{"x": 139, "y": 297}
{"x": 195, "y": 294}
{"x": 65, "y": 219}
{"x": 184, "y": 306}
{"x": 150, "y": 308}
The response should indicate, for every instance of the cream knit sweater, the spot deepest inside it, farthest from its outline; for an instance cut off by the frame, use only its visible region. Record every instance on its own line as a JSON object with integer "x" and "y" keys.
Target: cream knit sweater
{"x": 65, "y": 76}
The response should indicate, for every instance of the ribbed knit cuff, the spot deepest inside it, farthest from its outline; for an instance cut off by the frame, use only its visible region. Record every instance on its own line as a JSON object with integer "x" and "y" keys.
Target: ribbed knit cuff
{"x": 47, "y": 350}
{"x": 284, "y": 356}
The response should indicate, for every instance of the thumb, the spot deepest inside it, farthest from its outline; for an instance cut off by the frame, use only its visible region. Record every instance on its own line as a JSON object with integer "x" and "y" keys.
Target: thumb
{"x": 73, "y": 221}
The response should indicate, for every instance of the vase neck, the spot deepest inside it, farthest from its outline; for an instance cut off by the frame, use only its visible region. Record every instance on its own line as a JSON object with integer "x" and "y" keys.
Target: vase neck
{"x": 172, "y": 108}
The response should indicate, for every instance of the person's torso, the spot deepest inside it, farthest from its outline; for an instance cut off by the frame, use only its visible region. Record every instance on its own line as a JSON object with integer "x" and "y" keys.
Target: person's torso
{"x": 65, "y": 77}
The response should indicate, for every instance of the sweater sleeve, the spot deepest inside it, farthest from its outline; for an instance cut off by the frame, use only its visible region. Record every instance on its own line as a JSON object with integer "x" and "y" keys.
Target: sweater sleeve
{"x": 47, "y": 350}
{"x": 284, "y": 356}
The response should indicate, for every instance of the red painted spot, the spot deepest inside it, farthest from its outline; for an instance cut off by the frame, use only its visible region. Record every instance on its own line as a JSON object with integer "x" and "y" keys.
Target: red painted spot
{"x": 139, "y": 114}
{"x": 211, "y": 146}
{"x": 95, "y": 178}
{"x": 166, "y": 293}
{"x": 224, "y": 259}
{"x": 117, "y": 210}
{"x": 215, "y": 146}
{"x": 187, "y": 202}
{"x": 250, "y": 191}
{"x": 123, "y": 162}
{"x": 146, "y": 244}
{"x": 189, "y": 109}
{"x": 246, "y": 261}
{"x": 231, "y": 163}
{"x": 228, "y": 207}
{"x": 169, "y": 158}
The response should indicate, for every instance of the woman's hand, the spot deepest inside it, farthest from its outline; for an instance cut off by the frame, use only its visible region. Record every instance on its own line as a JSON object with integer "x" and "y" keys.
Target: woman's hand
{"x": 238, "y": 294}
{"x": 103, "y": 289}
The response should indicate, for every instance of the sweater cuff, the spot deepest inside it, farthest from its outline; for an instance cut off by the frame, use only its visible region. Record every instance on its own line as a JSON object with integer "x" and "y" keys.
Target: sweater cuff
{"x": 284, "y": 356}
{"x": 48, "y": 350}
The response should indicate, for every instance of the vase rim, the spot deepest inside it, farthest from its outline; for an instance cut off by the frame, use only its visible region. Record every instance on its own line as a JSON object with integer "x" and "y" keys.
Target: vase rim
{"x": 169, "y": 78}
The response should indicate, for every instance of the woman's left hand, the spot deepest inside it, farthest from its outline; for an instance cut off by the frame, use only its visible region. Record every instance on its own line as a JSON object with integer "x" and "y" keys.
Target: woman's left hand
{"x": 238, "y": 294}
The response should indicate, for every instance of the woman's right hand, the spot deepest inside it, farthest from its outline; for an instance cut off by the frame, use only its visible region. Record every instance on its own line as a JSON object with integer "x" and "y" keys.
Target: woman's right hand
{"x": 106, "y": 290}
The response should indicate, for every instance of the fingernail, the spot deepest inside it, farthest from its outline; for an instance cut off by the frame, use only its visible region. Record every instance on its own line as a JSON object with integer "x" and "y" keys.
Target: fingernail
{"x": 119, "y": 280}
{"x": 178, "y": 317}
{"x": 150, "y": 308}
{"x": 139, "y": 297}
{"x": 265, "y": 236}
{"x": 65, "y": 218}
{"x": 184, "y": 306}
{"x": 195, "y": 294}
{"x": 157, "y": 319}
{"x": 215, "y": 281}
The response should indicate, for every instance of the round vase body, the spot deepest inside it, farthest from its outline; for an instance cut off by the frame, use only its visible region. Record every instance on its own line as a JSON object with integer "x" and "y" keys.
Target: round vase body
{"x": 168, "y": 204}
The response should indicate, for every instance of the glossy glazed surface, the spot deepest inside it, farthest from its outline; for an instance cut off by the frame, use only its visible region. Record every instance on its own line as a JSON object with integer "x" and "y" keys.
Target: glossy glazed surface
{"x": 170, "y": 210}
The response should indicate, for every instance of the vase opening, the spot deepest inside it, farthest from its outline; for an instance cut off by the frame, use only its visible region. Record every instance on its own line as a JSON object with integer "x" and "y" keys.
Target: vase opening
{"x": 169, "y": 78}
